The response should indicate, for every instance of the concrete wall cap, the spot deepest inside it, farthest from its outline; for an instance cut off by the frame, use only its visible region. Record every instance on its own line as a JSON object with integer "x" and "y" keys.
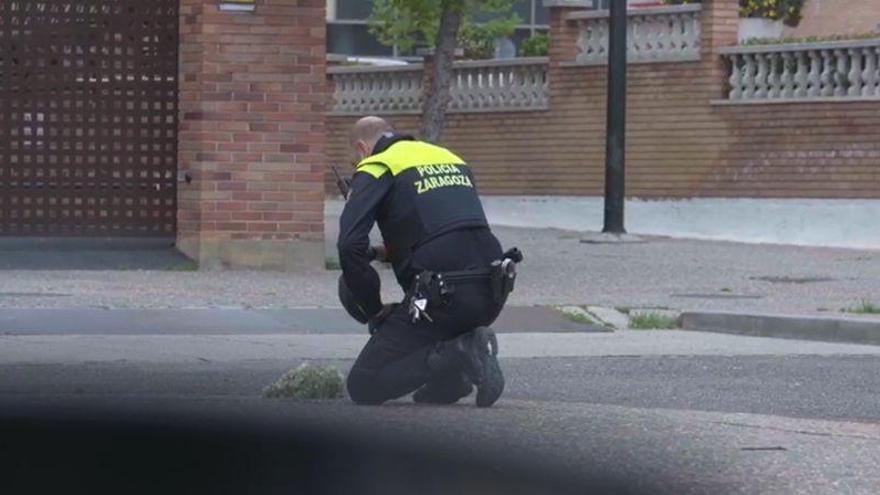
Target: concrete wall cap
{"x": 586, "y": 4}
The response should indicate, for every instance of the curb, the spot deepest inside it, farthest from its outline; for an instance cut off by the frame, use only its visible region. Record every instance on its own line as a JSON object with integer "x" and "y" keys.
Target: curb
{"x": 818, "y": 328}
{"x": 241, "y": 321}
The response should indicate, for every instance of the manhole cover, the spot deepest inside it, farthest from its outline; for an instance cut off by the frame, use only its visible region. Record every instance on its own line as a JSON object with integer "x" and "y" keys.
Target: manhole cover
{"x": 793, "y": 280}
{"x": 719, "y": 296}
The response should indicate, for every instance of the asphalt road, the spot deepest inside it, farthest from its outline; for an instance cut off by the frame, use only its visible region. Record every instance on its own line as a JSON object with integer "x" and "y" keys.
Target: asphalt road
{"x": 809, "y": 387}
{"x": 664, "y": 412}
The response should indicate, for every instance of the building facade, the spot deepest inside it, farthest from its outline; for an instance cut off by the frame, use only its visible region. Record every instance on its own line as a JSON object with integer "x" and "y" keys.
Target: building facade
{"x": 171, "y": 120}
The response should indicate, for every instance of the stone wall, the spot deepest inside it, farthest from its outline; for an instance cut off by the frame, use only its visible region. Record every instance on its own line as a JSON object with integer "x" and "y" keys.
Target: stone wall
{"x": 834, "y": 17}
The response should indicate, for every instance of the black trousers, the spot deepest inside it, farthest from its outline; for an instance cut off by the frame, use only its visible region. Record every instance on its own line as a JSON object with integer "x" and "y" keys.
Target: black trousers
{"x": 394, "y": 361}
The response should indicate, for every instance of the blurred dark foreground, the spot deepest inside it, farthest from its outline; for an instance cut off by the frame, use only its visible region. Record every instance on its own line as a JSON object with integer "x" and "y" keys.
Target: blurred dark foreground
{"x": 130, "y": 448}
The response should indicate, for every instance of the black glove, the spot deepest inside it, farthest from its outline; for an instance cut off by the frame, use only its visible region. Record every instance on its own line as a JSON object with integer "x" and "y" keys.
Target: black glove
{"x": 377, "y": 319}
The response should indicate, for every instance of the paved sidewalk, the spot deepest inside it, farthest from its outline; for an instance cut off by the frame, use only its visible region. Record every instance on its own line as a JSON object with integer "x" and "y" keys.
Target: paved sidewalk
{"x": 559, "y": 269}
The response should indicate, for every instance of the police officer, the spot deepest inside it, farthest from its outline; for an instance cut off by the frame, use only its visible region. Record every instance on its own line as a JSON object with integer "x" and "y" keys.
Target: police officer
{"x": 435, "y": 342}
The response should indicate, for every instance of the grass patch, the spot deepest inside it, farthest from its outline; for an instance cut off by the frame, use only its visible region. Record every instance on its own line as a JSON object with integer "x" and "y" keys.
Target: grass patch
{"x": 623, "y": 309}
{"x": 577, "y": 315}
{"x": 307, "y": 382}
{"x": 332, "y": 264}
{"x": 580, "y": 318}
{"x": 864, "y": 308}
{"x": 652, "y": 321}
{"x": 726, "y": 289}
{"x": 184, "y": 267}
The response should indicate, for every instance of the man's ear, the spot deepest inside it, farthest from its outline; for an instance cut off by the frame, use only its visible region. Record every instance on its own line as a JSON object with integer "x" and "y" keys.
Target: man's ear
{"x": 363, "y": 149}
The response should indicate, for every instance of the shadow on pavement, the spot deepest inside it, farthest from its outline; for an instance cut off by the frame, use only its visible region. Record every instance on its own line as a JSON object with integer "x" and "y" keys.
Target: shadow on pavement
{"x": 93, "y": 449}
{"x": 92, "y": 254}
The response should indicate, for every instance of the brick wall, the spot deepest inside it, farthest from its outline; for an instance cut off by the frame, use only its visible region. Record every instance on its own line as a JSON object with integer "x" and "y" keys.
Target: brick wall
{"x": 252, "y": 102}
{"x": 679, "y": 144}
{"x": 831, "y": 17}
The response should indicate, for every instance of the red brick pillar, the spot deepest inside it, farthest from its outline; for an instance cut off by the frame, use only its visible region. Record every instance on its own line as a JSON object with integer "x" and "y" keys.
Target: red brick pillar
{"x": 719, "y": 25}
{"x": 563, "y": 38}
{"x": 253, "y": 93}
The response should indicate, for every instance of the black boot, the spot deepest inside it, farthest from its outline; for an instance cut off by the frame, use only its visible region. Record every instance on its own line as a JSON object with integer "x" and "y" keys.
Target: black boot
{"x": 446, "y": 388}
{"x": 476, "y": 354}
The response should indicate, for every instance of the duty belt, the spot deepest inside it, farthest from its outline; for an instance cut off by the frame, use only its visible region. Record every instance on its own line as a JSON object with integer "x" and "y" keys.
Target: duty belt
{"x": 434, "y": 289}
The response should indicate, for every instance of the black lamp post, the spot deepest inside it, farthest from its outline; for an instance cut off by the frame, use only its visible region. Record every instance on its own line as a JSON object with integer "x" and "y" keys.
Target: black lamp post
{"x": 615, "y": 184}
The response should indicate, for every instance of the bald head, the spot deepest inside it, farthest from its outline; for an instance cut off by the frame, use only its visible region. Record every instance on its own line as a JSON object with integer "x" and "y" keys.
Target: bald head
{"x": 365, "y": 133}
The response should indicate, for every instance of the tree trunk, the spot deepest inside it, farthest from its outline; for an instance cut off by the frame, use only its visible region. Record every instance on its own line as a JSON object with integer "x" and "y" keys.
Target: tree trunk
{"x": 437, "y": 97}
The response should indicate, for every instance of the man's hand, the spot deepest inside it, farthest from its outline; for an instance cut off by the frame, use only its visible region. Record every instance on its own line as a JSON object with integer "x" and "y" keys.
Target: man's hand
{"x": 379, "y": 317}
{"x": 378, "y": 253}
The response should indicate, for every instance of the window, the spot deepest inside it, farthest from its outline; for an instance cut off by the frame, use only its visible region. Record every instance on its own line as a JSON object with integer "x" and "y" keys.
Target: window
{"x": 354, "y": 39}
{"x": 353, "y": 9}
{"x": 348, "y": 33}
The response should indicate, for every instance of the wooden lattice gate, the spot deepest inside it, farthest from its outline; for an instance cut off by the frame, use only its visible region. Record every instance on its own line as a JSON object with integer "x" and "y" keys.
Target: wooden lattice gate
{"x": 88, "y": 117}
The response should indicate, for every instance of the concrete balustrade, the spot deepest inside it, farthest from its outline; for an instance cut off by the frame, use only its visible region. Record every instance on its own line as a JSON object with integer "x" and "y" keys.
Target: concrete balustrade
{"x": 477, "y": 86}
{"x": 842, "y": 70}
{"x": 660, "y": 34}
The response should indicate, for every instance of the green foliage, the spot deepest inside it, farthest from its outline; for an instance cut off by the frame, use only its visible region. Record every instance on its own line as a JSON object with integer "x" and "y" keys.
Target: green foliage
{"x": 413, "y": 23}
{"x": 536, "y": 46}
{"x": 478, "y": 40}
{"x": 307, "y": 382}
{"x": 864, "y": 308}
{"x": 809, "y": 39}
{"x": 652, "y": 321}
{"x": 789, "y": 11}
{"x": 578, "y": 317}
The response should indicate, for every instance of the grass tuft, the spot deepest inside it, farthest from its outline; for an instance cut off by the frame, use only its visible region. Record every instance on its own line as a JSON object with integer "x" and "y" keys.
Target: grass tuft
{"x": 184, "y": 267}
{"x": 307, "y": 382}
{"x": 332, "y": 264}
{"x": 864, "y": 308}
{"x": 577, "y": 315}
{"x": 652, "y": 321}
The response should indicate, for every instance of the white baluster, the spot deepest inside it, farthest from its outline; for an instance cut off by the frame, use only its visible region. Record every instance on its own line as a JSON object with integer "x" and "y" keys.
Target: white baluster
{"x": 855, "y": 73}
{"x": 840, "y": 75}
{"x": 458, "y": 90}
{"x": 801, "y": 77}
{"x": 519, "y": 77}
{"x": 813, "y": 81}
{"x": 668, "y": 40}
{"x": 633, "y": 32}
{"x": 695, "y": 31}
{"x": 380, "y": 92}
{"x": 337, "y": 93}
{"x": 583, "y": 40}
{"x": 665, "y": 36}
{"x": 827, "y": 77}
{"x": 787, "y": 75}
{"x": 735, "y": 77}
{"x": 398, "y": 88}
{"x": 376, "y": 90}
{"x": 749, "y": 76}
{"x": 602, "y": 39}
{"x": 773, "y": 83}
{"x": 761, "y": 76}
{"x": 872, "y": 72}
{"x": 357, "y": 93}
